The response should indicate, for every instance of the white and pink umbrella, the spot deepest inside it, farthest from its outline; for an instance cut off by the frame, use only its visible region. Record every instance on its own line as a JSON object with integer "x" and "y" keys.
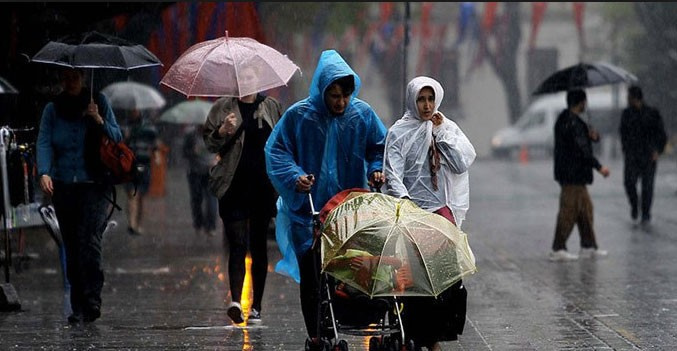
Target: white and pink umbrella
{"x": 236, "y": 67}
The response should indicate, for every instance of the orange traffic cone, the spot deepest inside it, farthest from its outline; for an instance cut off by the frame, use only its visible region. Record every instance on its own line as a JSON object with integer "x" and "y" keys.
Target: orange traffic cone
{"x": 524, "y": 154}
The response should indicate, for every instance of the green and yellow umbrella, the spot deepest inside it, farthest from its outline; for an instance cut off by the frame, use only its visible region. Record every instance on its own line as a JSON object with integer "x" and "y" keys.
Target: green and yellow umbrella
{"x": 385, "y": 246}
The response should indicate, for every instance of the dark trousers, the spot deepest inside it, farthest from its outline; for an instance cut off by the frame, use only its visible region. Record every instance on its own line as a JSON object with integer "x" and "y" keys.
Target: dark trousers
{"x": 202, "y": 202}
{"x": 631, "y": 174}
{"x": 242, "y": 235}
{"x": 309, "y": 290}
{"x": 427, "y": 320}
{"x": 575, "y": 208}
{"x": 81, "y": 211}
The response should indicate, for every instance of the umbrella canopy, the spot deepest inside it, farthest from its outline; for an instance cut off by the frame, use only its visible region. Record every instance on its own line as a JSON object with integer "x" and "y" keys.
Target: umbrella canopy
{"x": 96, "y": 50}
{"x": 131, "y": 95}
{"x": 226, "y": 66}
{"x": 370, "y": 240}
{"x": 187, "y": 112}
{"x": 6, "y": 87}
{"x": 584, "y": 75}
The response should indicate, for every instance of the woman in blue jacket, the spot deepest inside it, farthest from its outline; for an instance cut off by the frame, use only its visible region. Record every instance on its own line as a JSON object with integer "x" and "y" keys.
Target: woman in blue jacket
{"x": 66, "y": 154}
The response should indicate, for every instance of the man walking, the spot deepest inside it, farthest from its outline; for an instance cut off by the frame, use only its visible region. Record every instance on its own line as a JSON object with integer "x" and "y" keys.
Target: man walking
{"x": 574, "y": 162}
{"x": 643, "y": 138}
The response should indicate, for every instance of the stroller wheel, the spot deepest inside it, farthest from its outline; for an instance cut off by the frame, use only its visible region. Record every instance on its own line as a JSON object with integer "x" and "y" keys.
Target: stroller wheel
{"x": 323, "y": 345}
{"x": 396, "y": 343}
{"x": 342, "y": 345}
{"x": 374, "y": 343}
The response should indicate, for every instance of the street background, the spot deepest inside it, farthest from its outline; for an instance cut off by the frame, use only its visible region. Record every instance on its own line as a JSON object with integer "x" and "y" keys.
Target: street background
{"x": 168, "y": 290}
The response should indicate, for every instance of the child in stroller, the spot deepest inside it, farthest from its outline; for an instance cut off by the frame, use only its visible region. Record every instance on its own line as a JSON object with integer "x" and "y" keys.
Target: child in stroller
{"x": 347, "y": 310}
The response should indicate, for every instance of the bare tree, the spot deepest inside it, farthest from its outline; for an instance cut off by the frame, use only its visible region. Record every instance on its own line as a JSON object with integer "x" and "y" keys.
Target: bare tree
{"x": 500, "y": 47}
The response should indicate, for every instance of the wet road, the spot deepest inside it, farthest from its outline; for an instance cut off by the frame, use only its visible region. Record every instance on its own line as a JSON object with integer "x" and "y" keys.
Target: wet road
{"x": 167, "y": 290}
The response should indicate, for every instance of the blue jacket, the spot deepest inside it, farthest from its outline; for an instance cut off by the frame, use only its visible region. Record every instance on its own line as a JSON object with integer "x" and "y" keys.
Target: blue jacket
{"x": 61, "y": 143}
{"x": 340, "y": 151}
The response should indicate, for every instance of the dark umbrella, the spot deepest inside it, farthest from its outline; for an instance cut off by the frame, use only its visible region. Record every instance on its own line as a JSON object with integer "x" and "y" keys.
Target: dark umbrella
{"x": 96, "y": 50}
{"x": 6, "y": 87}
{"x": 584, "y": 75}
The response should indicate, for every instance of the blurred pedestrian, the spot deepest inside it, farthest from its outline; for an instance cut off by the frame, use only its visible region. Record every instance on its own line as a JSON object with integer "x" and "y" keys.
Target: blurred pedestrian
{"x": 427, "y": 157}
{"x": 325, "y": 143}
{"x": 67, "y": 146}
{"x": 573, "y": 165}
{"x": 237, "y": 129}
{"x": 202, "y": 202}
{"x": 141, "y": 136}
{"x": 643, "y": 139}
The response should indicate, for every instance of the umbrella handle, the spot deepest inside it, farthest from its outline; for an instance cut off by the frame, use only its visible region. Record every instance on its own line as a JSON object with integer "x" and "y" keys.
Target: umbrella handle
{"x": 91, "y": 86}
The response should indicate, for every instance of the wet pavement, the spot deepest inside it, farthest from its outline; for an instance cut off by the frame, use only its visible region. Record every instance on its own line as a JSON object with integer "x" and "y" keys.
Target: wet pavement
{"x": 168, "y": 289}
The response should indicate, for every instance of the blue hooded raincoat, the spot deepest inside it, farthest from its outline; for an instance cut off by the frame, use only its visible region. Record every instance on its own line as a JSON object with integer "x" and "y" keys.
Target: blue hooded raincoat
{"x": 340, "y": 151}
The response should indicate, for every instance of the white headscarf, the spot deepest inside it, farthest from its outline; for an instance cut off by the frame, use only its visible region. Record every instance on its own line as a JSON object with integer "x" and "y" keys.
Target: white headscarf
{"x": 407, "y": 165}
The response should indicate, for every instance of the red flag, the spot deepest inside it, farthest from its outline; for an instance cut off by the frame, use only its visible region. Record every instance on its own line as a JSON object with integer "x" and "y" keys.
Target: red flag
{"x": 425, "y": 34}
{"x": 119, "y": 22}
{"x": 489, "y": 16}
{"x": 578, "y": 17}
{"x": 386, "y": 11}
{"x": 537, "y": 11}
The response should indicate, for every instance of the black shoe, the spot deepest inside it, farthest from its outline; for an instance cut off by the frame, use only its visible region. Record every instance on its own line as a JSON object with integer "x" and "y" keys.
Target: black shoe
{"x": 92, "y": 314}
{"x": 74, "y": 318}
{"x": 633, "y": 214}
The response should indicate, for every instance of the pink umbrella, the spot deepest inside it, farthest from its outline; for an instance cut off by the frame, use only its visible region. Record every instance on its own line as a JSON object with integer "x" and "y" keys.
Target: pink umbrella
{"x": 229, "y": 67}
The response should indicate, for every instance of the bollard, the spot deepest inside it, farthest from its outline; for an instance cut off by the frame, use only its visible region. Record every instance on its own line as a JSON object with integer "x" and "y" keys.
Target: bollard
{"x": 524, "y": 154}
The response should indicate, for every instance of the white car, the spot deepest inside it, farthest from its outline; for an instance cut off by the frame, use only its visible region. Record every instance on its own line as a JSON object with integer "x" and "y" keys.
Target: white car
{"x": 534, "y": 130}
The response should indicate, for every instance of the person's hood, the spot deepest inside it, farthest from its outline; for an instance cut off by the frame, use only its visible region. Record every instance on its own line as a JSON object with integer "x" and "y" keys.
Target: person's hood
{"x": 330, "y": 67}
{"x": 414, "y": 87}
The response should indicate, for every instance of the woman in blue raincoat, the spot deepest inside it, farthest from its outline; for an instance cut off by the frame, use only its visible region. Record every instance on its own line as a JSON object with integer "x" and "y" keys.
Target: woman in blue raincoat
{"x": 325, "y": 143}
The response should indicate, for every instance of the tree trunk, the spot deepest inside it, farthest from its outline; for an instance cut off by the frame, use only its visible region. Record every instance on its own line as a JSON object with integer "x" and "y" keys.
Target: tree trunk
{"x": 504, "y": 56}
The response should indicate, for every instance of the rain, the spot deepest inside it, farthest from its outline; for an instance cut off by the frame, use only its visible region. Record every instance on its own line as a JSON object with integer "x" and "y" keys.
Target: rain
{"x": 166, "y": 284}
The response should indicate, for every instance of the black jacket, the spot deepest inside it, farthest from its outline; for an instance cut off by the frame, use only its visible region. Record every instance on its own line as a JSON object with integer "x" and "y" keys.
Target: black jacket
{"x": 642, "y": 133}
{"x": 574, "y": 160}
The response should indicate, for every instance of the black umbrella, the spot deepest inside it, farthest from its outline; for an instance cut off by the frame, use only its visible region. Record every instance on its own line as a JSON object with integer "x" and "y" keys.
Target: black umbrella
{"x": 584, "y": 75}
{"x": 96, "y": 50}
{"x": 6, "y": 87}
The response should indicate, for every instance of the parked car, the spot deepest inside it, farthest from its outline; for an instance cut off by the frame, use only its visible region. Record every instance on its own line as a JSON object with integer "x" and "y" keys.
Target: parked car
{"x": 534, "y": 130}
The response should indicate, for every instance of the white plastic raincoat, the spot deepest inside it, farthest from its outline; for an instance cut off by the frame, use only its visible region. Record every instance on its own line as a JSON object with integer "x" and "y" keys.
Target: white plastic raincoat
{"x": 407, "y": 165}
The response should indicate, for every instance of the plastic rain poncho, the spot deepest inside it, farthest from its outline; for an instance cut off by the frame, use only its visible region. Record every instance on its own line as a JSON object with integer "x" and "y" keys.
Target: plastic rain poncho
{"x": 340, "y": 151}
{"x": 407, "y": 165}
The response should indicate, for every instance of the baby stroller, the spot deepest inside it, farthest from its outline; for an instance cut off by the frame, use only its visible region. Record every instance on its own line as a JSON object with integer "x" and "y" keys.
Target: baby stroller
{"x": 344, "y": 309}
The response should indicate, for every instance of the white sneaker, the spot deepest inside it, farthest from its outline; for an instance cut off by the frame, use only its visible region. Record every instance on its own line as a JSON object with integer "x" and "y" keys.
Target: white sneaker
{"x": 235, "y": 312}
{"x": 562, "y": 255}
{"x": 591, "y": 252}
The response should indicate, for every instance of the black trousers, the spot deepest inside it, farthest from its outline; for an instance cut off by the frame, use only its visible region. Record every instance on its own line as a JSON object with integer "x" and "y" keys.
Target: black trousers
{"x": 633, "y": 173}
{"x": 81, "y": 210}
{"x": 427, "y": 320}
{"x": 245, "y": 230}
{"x": 309, "y": 290}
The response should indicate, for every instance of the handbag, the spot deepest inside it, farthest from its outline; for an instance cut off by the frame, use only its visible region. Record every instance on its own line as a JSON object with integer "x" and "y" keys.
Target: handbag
{"x": 119, "y": 161}
{"x": 217, "y": 171}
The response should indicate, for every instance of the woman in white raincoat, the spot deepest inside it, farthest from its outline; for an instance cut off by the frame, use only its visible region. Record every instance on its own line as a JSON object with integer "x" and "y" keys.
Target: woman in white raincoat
{"x": 426, "y": 160}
